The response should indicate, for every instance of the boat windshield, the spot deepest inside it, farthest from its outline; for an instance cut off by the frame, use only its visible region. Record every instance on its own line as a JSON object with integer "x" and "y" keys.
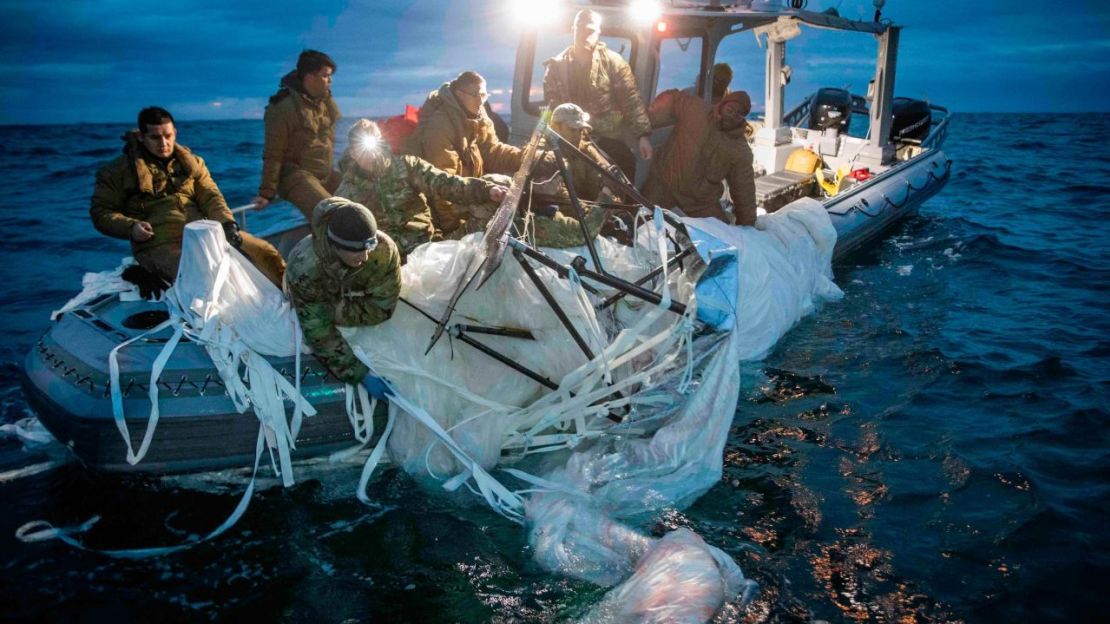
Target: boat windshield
{"x": 680, "y": 63}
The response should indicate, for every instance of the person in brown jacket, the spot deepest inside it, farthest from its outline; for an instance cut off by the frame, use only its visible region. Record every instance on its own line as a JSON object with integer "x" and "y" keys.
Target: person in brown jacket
{"x": 455, "y": 134}
{"x": 148, "y": 194}
{"x": 300, "y": 137}
{"x": 707, "y": 148}
{"x": 594, "y": 77}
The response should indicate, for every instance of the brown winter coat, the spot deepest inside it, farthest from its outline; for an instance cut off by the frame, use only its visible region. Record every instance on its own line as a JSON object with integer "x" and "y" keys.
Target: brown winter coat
{"x": 451, "y": 140}
{"x": 690, "y": 170}
{"x": 609, "y": 93}
{"x": 138, "y": 187}
{"x": 300, "y": 135}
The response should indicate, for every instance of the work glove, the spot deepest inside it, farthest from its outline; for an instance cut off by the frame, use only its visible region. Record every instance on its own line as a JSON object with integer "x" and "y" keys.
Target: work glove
{"x": 377, "y": 387}
{"x": 231, "y": 232}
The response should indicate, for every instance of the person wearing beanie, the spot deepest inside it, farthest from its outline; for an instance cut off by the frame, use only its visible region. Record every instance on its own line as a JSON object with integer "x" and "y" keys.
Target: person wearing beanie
{"x": 148, "y": 194}
{"x": 300, "y": 136}
{"x": 347, "y": 272}
{"x": 707, "y": 148}
{"x": 398, "y": 189}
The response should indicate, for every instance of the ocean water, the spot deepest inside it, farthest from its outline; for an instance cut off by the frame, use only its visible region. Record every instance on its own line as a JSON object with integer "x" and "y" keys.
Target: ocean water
{"x": 933, "y": 448}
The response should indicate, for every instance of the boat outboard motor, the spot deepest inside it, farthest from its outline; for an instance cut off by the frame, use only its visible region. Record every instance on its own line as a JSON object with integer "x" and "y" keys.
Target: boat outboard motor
{"x": 832, "y": 108}
{"x": 912, "y": 120}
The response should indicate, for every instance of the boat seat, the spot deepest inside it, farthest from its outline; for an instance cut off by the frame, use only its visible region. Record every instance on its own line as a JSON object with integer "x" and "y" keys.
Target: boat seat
{"x": 775, "y": 190}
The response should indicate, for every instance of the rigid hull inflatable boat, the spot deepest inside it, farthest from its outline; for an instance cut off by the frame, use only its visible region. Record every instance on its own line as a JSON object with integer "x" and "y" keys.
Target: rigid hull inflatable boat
{"x": 865, "y": 184}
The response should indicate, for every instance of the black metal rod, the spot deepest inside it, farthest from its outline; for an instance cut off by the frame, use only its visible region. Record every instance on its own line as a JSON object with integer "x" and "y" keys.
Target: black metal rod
{"x": 527, "y": 372}
{"x": 581, "y": 214}
{"x": 654, "y": 273}
{"x": 650, "y": 296}
{"x": 546, "y": 260}
{"x": 554, "y": 305}
{"x": 508, "y": 332}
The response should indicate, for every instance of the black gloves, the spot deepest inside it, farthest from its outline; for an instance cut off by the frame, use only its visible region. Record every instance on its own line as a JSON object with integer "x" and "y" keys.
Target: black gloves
{"x": 231, "y": 232}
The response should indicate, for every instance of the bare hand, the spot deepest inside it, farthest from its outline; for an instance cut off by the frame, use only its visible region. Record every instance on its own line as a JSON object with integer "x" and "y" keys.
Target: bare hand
{"x": 497, "y": 193}
{"x": 141, "y": 231}
{"x": 260, "y": 202}
{"x": 645, "y": 148}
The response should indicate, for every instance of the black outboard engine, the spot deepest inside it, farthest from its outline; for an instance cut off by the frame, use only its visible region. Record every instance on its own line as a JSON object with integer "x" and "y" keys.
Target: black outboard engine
{"x": 912, "y": 120}
{"x": 832, "y": 108}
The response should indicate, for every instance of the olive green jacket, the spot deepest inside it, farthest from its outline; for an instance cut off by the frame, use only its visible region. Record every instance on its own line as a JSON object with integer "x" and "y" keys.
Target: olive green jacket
{"x": 450, "y": 139}
{"x": 608, "y": 93}
{"x": 138, "y": 187}
{"x": 327, "y": 293}
{"x": 691, "y": 168}
{"x": 300, "y": 134}
{"x": 399, "y": 197}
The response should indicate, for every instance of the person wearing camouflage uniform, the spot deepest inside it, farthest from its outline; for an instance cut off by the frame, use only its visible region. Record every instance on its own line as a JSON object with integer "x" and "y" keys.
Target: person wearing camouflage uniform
{"x": 455, "y": 134}
{"x": 551, "y": 223}
{"x": 397, "y": 189}
{"x": 594, "y": 77}
{"x": 707, "y": 148}
{"x": 149, "y": 193}
{"x": 347, "y": 272}
{"x": 300, "y": 136}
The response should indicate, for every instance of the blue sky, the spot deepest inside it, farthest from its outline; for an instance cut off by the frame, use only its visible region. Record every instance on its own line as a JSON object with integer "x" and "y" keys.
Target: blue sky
{"x": 65, "y": 61}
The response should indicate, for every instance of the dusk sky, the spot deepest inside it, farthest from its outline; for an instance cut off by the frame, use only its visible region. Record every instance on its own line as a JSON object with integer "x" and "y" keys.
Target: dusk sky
{"x": 101, "y": 60}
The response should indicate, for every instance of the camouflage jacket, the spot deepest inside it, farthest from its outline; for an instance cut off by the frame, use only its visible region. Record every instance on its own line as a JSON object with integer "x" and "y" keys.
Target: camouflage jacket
{"x": 608, "y": 93}
{"x": 138, "y": 187}
{"x": 450, "y": 139}
{"x": 300, "y": 134}
{"x": 691, "y": 168}
{"x": 399, "y": 198}
{"x": 555, "y": 228}
{"x": 327, "y": 293}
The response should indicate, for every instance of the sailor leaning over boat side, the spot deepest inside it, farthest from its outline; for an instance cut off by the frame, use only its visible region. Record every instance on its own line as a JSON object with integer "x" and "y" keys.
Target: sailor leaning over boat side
{"x": 347, "y": 272}
{"x": 594, "y": 77}
{"x": 455, "y": 134}
{"x": 300, "y": 136}
{"x": 553, "y": 224}
{"x": 397, "y": 189}
{"x": 148, "y": 194}
{"x": 707, "y": 148}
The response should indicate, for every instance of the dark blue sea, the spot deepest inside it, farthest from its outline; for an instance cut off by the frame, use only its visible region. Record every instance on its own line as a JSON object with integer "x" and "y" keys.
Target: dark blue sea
{"x": 933, "y": 448}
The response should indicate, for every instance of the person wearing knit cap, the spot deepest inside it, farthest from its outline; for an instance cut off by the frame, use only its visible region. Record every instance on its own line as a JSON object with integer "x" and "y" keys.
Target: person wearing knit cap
{"x": 347, "y": 272}
{"x": 707, "y": 148}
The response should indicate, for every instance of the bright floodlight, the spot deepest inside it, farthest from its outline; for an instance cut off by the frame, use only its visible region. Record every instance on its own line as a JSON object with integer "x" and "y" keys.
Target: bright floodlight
{"x": 536, "y": 13}
{"x": 645, "y": 11}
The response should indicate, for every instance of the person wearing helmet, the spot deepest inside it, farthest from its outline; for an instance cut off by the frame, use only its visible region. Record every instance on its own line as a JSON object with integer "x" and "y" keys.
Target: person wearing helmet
{"x": 398, "y": 189}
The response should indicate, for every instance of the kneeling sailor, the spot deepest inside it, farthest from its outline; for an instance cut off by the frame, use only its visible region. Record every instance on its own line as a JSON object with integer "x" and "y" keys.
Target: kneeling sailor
{"x": 348, "y": 273}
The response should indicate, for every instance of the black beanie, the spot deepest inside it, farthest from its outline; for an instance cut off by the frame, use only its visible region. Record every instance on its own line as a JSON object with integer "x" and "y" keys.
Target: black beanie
{"x": 351, "y": 226}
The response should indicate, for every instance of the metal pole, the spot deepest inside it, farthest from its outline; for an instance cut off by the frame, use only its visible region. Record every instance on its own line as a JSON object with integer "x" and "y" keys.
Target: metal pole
{"x": 554, "y": 305}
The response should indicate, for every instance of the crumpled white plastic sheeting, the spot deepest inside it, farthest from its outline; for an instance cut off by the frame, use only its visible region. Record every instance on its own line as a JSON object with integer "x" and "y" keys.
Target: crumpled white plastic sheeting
{"x": 471, "y": 395}
{"x": 227, "y": 305}
{"x": 215, "y": 280}
{"x": 785, "y": 269}
{"x": 102, "y": 283}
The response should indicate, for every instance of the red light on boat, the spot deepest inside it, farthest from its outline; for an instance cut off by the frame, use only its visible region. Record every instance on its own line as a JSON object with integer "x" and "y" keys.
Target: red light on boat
{"x": 661, "y": 26}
